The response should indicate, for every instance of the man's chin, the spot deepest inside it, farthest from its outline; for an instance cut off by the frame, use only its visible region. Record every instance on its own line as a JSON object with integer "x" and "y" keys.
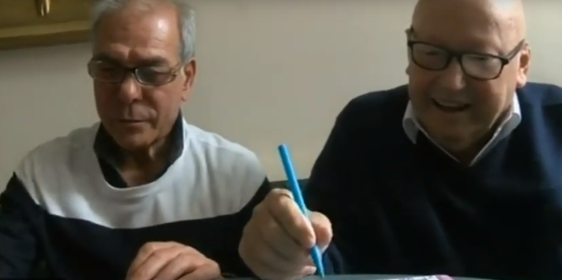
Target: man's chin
{"x": 133, "y": 142}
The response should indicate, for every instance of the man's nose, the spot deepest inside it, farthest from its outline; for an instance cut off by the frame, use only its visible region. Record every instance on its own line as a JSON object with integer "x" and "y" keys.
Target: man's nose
{"x": 130, "y": 90}
{"x": 453, "y": 76}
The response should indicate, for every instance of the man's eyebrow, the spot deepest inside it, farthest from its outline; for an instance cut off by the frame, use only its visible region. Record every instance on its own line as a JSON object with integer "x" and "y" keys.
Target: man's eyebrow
{"x": 156, "y": 60}
{"x": 104, "y": 57}
{"x": 477, "y": 47}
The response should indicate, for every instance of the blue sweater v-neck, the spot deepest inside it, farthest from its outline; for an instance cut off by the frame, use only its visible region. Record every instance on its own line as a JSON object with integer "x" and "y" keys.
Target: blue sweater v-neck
{"x": 402, "y": 208}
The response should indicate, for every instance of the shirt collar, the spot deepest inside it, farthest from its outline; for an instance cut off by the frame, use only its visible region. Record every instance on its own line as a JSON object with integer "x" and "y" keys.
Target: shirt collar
{"x": 412, "y": 127}
{"x": 107, "y": 149}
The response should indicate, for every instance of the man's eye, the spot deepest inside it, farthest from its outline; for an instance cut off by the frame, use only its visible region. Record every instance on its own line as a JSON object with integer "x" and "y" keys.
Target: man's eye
{"x": 153, "y": 71}
{"x": 433, "y": 53}
{"x": 430, "y": 51}
{"x": 158, "y": 70}
{"x": 108, "y": 69}
{"x": 153, "y": 75}
{"x": 481, "y": 58}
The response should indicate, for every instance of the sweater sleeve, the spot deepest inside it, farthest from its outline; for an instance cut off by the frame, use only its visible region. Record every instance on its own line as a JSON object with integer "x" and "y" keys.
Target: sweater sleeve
{"x": 334, "y": 179}
{"x": 251, "y": 178}
{"x": 18, "y": 244}
{"x": 228, "y": 258}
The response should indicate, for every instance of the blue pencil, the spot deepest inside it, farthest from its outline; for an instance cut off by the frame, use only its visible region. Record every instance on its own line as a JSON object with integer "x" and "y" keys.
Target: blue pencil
{"x": 297, "y": 195}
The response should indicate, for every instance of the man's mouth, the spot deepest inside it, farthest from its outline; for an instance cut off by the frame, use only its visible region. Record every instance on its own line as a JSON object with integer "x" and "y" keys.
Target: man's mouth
{"x": 450, "y": 107}
{"x": 130, "y": 121}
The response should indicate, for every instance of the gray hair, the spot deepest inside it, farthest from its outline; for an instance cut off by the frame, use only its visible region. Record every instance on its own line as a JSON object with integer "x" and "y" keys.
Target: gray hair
{"x": 186, "y": 20}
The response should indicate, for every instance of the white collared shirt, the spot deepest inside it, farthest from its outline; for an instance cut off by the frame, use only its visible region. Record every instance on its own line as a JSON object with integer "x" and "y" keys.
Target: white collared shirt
{"x": 412, "y": 128}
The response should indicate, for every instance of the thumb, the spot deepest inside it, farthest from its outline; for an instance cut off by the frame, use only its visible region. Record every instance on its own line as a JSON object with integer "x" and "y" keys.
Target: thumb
{"x": 322, "y": 229}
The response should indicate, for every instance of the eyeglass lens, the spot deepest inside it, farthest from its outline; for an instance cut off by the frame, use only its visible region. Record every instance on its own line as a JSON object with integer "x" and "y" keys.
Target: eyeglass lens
{"x": 108, "y": 72}
{"x": 475, "y": 65}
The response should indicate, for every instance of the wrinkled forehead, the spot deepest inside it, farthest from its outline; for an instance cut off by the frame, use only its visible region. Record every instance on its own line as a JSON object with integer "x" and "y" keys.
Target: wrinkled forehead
{"x": 463, "y": 25}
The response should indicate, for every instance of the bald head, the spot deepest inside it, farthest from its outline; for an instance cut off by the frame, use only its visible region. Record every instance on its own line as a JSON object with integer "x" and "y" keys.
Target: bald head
{"x": 467, "y": 52}
{"x": 501, "y": 21}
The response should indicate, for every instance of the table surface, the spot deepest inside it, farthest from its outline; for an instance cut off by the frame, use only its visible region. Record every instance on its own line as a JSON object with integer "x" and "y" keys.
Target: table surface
{"x": 380, "y": 277}
{"x": 374, "y": 277}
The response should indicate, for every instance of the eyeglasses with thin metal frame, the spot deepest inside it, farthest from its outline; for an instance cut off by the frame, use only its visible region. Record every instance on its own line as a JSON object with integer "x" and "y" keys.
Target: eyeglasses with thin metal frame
{"x": 145, "y": 75}
{"x": 476, "y": 65}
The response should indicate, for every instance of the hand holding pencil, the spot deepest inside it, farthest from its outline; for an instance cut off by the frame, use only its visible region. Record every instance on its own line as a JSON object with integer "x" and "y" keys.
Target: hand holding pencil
{"x": 279, "y": 238}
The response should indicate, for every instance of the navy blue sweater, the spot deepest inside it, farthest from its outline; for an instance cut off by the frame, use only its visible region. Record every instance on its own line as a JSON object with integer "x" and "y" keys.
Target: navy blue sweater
{"x": 404, "y": 208}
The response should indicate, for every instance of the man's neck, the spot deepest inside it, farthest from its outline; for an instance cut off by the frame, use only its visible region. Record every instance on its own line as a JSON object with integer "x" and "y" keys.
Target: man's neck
{"x": 141, "y": 166}
{"x": 146, "y": 165}
{"x": 466, "y": 156}
{"x": 157, "y": 152}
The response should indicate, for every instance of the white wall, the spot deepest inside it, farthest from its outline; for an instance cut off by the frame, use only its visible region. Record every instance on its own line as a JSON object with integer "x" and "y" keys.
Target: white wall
{"x": 270, "y": 72}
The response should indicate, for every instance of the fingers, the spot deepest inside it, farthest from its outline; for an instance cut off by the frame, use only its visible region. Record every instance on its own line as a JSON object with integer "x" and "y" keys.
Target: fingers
{"x": 277, "y": 258}
{"x": 205, "y": 272}
{"x": 184, "y": 266}
{"x": 150, "y": 253}
{"x": 281, "y": 242}
{"x": 276, "y": 242}
{"x": 322, "y": 229}
{"x": 171, "y": 261}
{"x": 286, "y": 212}
{"x": 259, "y": 256}
{"x": 176, "y": 267}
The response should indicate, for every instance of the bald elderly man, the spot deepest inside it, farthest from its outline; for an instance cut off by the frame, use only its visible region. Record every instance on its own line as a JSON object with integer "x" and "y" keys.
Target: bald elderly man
{"x": 458, "y": 172}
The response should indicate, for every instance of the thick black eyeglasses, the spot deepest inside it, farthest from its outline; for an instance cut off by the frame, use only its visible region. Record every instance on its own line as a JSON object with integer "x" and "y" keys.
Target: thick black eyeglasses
{"x": 148, "y": 76}
{"x": 475, "y": 65}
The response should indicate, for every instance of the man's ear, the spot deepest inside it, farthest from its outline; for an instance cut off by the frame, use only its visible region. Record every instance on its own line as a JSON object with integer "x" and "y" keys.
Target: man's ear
{"x": 524, "y": 66}
{"x": 409, "y": 66}
{"x": 189, "y": 73}
{"x": 409, "y": 32}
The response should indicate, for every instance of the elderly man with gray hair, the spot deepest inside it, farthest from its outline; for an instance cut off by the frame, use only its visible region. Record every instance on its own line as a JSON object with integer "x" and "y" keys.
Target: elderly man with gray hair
{"x": 142, "y": 194}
